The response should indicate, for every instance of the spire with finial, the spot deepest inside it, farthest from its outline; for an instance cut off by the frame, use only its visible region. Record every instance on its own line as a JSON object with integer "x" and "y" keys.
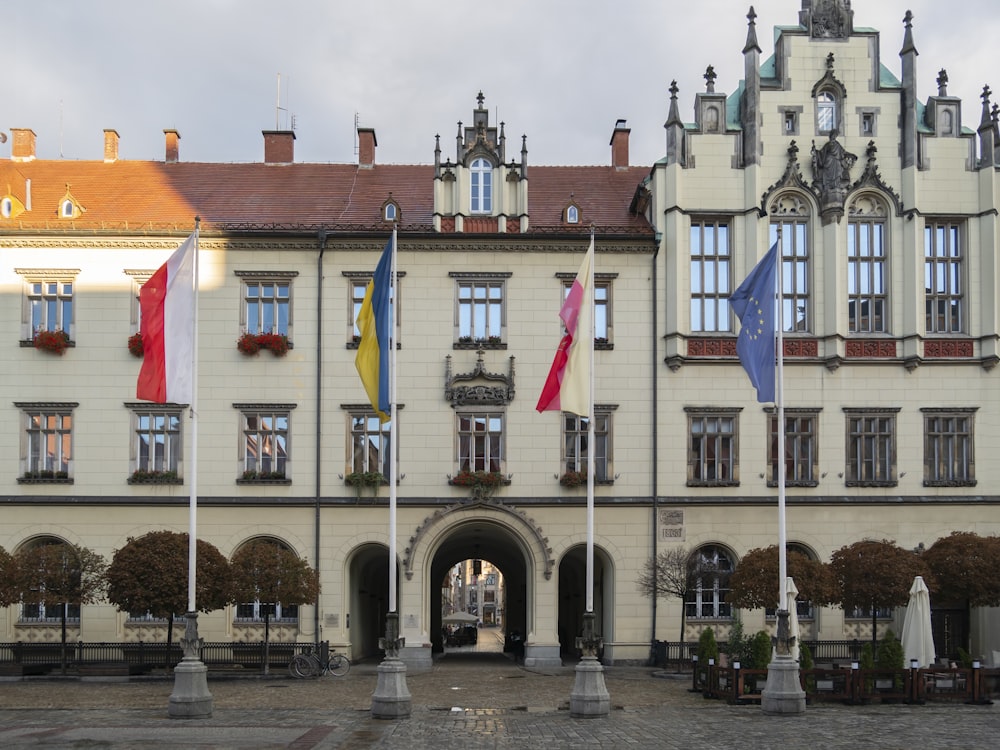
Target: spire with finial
{"x": 674, "y": 114}
{"x": 908, "y": 45}
{"x": 751, "y": 32}
{"x": 985, "y": 121}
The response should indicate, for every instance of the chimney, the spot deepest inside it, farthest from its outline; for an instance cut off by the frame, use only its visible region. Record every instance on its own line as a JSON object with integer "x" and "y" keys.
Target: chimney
{"x": 23, "y": 147}
{"x": 279, "y": 146}
{"x": 619, "y": 145}
{"x": 173, "y": 154}
{"x": 110, "y": 146}
{"x": 366, "y": 147}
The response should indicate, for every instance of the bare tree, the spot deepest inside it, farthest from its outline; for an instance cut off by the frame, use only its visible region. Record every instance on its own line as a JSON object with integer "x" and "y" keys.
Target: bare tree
{"x": 59, "y": 573}
{"x": 670, "y": 574}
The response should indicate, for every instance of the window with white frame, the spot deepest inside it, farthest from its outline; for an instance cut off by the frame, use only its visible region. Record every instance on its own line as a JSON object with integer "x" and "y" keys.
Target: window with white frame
{"x": 47, "y": 441}
{"x": 481, "y": 440}
{"x": 603, "y": 324}
{"x": 713, "y": 455}
{"x": 867, "y": 303}
{"x": 369, "y": 443}
{"x": 358, "y": 286}
{"x": 871, "y": 447}
{"x": 801, "y": 448}
{"x": 711, "y": 568}
{"x": 265, "y": 447}
{"x": 157, "y": 448}
{"x": 576, "y": 443}
{"x": 49, "y": 298}
{"x": 943, "y": 277}
{"x": 48, "y": 612}
{"x": 827, "y": 116}
{"x": 711, "y": 270}
{"x": 267, "y": 302}
{"x": 481, "y": 314}
{"x": 481, "y": 184}
{"x": 795, "y": 269}
{"x": 949, "y": 449}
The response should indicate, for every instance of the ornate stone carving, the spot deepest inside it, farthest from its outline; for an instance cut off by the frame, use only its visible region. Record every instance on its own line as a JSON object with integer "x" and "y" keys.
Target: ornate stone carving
{"x": 831, "y": 165}
{"x": 498, "y": 390}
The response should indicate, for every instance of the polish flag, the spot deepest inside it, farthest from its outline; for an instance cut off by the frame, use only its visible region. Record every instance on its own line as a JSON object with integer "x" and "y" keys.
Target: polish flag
{"x": 567, "y": 387}
{"x": 166, "y": 303}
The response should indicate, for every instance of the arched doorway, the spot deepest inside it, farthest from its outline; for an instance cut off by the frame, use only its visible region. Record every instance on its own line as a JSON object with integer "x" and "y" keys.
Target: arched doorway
{"x": 368, "y": 576}
{"x": 573, "y": 597}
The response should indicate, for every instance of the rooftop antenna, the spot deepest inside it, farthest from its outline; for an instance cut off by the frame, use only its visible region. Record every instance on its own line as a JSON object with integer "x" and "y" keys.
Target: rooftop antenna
{"x": 278, "y": 109}
{"x": 356, "y": 122}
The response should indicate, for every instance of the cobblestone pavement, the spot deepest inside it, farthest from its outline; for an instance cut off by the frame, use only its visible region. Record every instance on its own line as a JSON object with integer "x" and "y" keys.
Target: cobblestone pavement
{"x": 466, "y": 701}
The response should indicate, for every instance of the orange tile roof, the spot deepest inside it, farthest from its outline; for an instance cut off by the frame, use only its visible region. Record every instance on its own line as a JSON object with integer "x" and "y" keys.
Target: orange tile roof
{"x": 151, "y": 196}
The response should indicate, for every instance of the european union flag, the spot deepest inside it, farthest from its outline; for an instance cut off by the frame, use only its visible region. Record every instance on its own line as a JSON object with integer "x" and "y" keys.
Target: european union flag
{"x": 753, "y": 304}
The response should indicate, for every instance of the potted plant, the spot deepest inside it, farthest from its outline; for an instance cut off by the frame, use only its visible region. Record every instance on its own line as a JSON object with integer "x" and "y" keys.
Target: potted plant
{"x": 146, "y": 476}
{"x": 573, "y": 478}
{"x": 135, "y": 346}
{"x": 252, "y": 476}
{"x": 55, "y": 341}
{"x": 251, "y": 343}
{"x": 359, "y": 479}
{"x": 482, "y": 483}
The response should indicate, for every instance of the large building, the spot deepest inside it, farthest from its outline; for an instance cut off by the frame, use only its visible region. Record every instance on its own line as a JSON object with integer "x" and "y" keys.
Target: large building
{"x": 886, "y": 207}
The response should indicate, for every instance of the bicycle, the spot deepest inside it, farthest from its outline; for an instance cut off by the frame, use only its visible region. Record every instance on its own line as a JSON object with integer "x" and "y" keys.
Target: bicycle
{"x": 318, "y": 661}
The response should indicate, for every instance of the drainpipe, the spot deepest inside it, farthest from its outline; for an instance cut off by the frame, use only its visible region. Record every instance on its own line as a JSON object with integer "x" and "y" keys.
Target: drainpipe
{"x": 321, "y": 241}
{"x": 655, "y": 447}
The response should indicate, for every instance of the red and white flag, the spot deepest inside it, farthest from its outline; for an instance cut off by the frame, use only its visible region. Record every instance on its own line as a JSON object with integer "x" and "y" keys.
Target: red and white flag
{"x": 567, "y": 387}
{"x": 167, "y": 303}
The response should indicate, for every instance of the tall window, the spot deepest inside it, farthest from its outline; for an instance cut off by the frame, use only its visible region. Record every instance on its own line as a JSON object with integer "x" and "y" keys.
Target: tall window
{"x": 48, "y": 441}
{"x": 871, "y": 448}
{"x": 603, "y": 325}
{"x": 481, "y": 310}
{"x": 50, "y": 306}
{"x": 576, "y": 448}
{"x": 481, "y": 174}
{"x": 795, "y": 262}
{"x": 710, "y": 276}
{"x": 267, "y": 305}
{"x": 712, "y": 448}
{"x": 801, "y": 448}
{"x": 866, "y": 268}
{"x": 826, "y": 112}
{"x": 711, "y": 567}
{"x": 949, "y": 458}
{"x": 157, "y": 447}
{"x": 481, "y": 441}
{"x": 358, "y": 287}
{"x": 370, "y": 440}
{"x": 943, "y": 283}
{"x": 265, "y": 443}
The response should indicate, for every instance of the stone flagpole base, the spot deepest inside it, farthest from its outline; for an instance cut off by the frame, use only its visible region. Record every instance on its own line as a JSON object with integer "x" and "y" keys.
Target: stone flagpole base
{"x": 589, "y": 698}
{"x": 190, "y": 699}
{"x": 391, "y": 699}
{"x": 783, "y": 694}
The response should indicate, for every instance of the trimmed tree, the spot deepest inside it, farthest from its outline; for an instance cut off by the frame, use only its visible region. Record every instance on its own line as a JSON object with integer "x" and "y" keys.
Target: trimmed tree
{"x": 266, "y": 571}
{"x": 59, "y": 573}
{"x": 8, "y": 589}
{"x": 754, "y": 583}
{"x": 150, "y": 575}
{"x": 876, "y": 574}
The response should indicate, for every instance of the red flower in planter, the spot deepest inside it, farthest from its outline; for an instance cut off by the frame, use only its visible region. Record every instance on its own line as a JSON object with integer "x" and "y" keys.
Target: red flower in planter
{"x": 52, "y": 341}
{"x": 252, "y": 343}
{"x": 135, "y": 346}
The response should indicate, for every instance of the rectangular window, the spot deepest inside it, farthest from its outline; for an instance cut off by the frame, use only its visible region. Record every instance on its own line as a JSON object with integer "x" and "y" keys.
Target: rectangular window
{"x": 265, "y": 444}
{"x": 267, "y": 305}
{"x": 576, "y": 449}
{"x": 358, "y": 288}
{"x": 157, "y": 448}
{"x": 871, "y": 448}
{"x": 369, "y": 443}
{"x": 49, "y": 612}
{"x": 481, "y": 441}
{"x": 949, "y": 457}
{"x": 711, "y": 265}
{"x": 795, "y": 262}
{"x": 47, "y": 447}
{"x": 943, "y": 284}
{"x": 866, "y": 281}
{"x": 255, "y": 611}
{"x": 50, "y": 306}
{"x": 712, "y": 449}
{"x": 801, "y": 449}
{"x": 481, "y": 313}
{"x": 602, "y": 305}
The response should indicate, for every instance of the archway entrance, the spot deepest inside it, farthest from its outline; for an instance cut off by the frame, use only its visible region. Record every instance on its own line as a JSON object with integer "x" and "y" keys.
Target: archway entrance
{"x": 368, "y": 574}
{"x": 468, "y": 555}
{"x": 573, "y": 597}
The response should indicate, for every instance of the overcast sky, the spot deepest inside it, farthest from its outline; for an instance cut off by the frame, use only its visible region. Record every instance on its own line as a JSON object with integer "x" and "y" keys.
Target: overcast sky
{"x": 559, "y": 71}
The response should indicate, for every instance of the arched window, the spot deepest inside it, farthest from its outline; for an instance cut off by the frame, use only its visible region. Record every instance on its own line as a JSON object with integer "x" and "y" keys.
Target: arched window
{"x": 390, "y": 212}
{"x": 6, "y": 207}
{"x": 66, "y": 210}
{"x": 867, "y": 266}
{"x": 790, "y": 214}
{"x": 482, "y": 187}
{"x": 572, "y": 215}
{"x": 826, "y": 112}
{"x": 711, "y": 568}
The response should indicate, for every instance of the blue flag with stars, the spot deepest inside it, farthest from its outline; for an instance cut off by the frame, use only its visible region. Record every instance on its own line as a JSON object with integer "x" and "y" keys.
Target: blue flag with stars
{"x": 753, "y": 303}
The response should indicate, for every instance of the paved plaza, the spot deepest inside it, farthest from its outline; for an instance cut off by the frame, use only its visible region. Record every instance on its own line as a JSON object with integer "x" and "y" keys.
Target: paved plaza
{"x": 469, "y": 700}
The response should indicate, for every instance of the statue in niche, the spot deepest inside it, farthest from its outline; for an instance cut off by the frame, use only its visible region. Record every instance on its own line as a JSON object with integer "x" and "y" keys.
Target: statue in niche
{"x": 832, "y": 170}
{"x": 831, "y": 19}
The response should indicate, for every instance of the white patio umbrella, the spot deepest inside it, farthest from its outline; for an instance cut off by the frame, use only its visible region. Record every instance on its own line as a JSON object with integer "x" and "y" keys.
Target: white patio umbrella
{"x": 918, "y": 639}
{"x": 793, "y": 616}
{"x": 459, "y": 618}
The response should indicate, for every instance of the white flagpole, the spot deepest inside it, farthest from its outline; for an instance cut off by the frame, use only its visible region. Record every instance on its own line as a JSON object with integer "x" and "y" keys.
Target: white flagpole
{"x": 393, "y": 433}
{"x": 591, "y": 448}
{"x": 193, "y": 503}
{"x": 779, "y": 396}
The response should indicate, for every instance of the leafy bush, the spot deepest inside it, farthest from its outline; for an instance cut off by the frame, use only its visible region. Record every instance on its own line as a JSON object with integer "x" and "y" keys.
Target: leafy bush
{"x": 760, "y": 650}
{"x": 707, "y": 646}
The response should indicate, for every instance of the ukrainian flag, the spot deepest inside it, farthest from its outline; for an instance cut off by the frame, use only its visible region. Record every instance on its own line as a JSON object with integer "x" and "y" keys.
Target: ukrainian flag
{"x": 372, "y": 359}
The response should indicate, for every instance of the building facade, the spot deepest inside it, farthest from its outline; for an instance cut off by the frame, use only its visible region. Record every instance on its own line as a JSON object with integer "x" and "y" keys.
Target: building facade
{"x": 888, "y": 237}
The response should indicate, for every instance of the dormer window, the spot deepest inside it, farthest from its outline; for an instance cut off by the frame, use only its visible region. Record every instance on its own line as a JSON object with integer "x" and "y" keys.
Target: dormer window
{"x": 572, "y": 215}
{"x": 481, "y": 172}
{"x": 66, "y": 209}
{"x": 68, "y": 206}
{"x": 390, "y": 212}
{"x": 6, "y": 207}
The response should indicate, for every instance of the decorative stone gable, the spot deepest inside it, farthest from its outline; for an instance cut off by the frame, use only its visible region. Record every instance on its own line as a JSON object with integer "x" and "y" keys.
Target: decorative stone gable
{"x": 478, "y": 387}
{"x": 827, "y": 19}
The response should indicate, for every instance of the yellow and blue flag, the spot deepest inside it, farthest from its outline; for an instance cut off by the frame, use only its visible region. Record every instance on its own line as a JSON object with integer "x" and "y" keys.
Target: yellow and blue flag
{"x": 374, "y": 324}
{"x": 753, "y": 303}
